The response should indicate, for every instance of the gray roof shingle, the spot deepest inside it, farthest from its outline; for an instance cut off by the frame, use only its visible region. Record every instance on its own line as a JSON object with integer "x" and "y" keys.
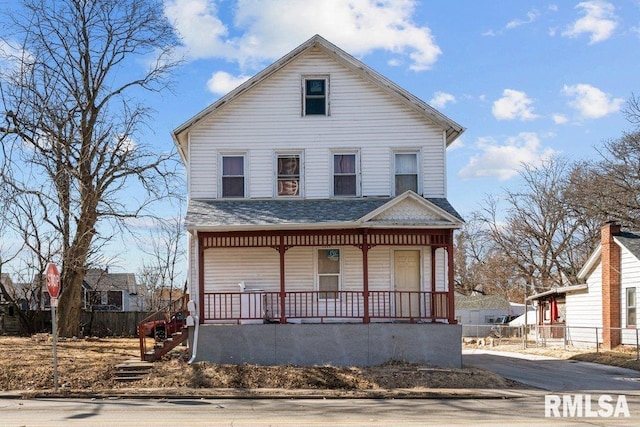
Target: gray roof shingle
{"x": 273, "y": 212}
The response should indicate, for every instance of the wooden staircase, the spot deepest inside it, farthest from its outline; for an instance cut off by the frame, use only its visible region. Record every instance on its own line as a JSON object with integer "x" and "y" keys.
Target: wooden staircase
{"x": 162, "y": 347}
{"x": 170, "y": 338}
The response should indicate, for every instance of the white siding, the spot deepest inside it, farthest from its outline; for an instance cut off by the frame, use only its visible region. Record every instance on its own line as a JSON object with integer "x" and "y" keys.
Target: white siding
{"x": 225, "y": 268}
{"x": 584, "y": 309}
{"x": 630, "y": 278}
{"x": 268, "y": 118}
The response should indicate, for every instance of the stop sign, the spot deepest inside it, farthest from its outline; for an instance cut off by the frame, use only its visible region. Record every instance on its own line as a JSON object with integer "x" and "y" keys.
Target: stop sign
{"x": 53, "y": 281}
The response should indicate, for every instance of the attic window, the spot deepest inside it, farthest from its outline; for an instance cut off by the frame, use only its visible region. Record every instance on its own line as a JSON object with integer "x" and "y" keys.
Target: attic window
{"x": 316, "y": 91}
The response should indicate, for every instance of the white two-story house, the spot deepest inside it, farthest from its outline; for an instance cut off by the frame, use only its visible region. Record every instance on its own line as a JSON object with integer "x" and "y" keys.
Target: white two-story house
{"x": 318, "y": 220}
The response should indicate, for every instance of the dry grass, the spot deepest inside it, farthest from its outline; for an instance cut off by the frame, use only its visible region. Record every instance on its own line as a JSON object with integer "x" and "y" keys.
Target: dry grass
{"x": 622, "y": 356}
{"x": 89, "y": 365}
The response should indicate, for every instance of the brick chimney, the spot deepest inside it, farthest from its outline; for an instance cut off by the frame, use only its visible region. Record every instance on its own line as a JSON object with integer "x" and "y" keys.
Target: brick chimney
{"x": 610, "y": 257}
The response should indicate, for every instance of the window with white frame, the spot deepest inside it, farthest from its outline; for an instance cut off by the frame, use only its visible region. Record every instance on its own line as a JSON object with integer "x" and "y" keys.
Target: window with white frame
{"x": 406, "y": 176}
{"x": 233, "y": 176}
{"x": 631, "y": 307}
{"x": 328, "y": 261}
{"x": 345, "y": 174}
{"x": 315, "y": 96}
{"x": 289, "y": 173}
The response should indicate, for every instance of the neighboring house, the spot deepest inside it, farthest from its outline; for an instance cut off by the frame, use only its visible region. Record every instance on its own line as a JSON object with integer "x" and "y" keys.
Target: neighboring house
{"x": 604, "y": 304}
{"x": 317, "y": 208}
{"x": 480, "y": 309}
{"x": 104, "y": 291}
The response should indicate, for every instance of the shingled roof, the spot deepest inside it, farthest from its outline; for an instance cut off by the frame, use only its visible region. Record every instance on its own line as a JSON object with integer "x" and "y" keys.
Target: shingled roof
{"x": 283, "y": 212}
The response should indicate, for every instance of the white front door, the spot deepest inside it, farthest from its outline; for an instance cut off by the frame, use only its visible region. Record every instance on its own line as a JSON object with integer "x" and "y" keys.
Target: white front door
{"x": 406, "y": 278}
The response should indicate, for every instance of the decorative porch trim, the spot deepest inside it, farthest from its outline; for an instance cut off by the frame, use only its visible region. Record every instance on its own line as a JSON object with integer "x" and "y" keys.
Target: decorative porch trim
{"x": 362, "y": 238}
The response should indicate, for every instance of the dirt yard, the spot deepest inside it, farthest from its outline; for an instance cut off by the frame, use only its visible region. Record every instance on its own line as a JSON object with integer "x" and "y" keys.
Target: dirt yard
{"x": 88, "y": 365}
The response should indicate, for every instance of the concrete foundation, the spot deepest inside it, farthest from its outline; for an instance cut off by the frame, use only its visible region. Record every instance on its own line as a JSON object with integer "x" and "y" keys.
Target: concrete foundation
{"x": 330, "y": 344}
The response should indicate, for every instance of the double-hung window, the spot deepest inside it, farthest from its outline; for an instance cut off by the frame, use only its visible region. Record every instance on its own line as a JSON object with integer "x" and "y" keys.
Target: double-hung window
{"x": 328, "y": 273}
{"x": 289, "y": 172}
{"x": 233, "y": 175}
{"x": 345, "y": 174}
{"x": 631, "y": 307}
{"x": 315, "y": 96}
{"x": 406, "y": 176}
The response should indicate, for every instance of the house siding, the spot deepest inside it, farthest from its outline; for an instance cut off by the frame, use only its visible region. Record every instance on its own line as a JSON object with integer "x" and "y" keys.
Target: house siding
{"x": 629, "y": 278}
{"x": 584, "y": 309}
{"x": 362, "y": 117}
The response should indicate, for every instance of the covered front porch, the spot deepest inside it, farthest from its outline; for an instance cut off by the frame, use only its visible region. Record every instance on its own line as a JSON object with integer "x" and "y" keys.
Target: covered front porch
{"x": 364, "y": 292}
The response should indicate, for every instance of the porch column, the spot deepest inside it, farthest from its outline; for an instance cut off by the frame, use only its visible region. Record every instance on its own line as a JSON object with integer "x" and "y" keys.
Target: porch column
{"x": 434, "y": 302}
{"x": 200, "y": 247}
{"x": 281, "y": 251}
{"x": 450, "y": 274}
{"x": 365, "y": 276}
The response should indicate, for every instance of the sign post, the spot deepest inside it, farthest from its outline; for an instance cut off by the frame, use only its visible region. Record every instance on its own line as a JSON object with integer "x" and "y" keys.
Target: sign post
{"x": 53, "y": 286}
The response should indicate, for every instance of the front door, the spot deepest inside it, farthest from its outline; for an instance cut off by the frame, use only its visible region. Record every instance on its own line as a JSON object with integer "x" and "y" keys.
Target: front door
{"x": 406, "y": 278}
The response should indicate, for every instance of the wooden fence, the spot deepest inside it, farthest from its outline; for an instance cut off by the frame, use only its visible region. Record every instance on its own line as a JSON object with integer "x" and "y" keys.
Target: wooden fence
{"x": 99, "y": 323}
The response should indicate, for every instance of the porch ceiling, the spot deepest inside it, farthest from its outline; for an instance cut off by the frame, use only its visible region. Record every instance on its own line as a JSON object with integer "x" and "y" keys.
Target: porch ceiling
{"x": 218, "y": 215}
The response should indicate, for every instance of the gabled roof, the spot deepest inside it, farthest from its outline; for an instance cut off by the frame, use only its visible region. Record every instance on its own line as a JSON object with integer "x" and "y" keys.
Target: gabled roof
{"x": 247, "y": 214}
{"x": 101, "y": 280}
{"x": 451, "y": 128}
{"x": 487, "y": 302}
{"x": 626, "y": 239}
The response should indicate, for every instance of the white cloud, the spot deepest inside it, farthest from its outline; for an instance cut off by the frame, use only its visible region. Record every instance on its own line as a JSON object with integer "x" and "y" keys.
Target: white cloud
{"x": 591, "y": 102}
{"x": 264, "y": 30}
{"x": 504, "y": 161}
{"x": 202, "y": 32}
{"x": 531, "y": 16}
{"x": 559, "y": 119}
{"x": 441, "y": 99}
{"x": 599, "y": 21}
{"x": 513, "y": 105}
{"x": 221, "y": 82}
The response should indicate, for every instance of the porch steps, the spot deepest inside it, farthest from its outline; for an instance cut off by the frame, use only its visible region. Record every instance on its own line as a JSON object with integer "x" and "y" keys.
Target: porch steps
{"x": 132, "y": 370}
{"x": 163, "y": 347}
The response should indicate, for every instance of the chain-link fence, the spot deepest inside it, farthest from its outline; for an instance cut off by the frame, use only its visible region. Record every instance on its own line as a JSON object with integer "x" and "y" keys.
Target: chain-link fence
{"x": 584, "y": 337}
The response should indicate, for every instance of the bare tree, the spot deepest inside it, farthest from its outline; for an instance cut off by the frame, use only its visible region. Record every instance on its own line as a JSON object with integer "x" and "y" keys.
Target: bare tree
{"x": 71, "y": 124}
{"x": 541, "y": 235}
{"x": 609, "y": 188}
{"x": 165, "y": 251}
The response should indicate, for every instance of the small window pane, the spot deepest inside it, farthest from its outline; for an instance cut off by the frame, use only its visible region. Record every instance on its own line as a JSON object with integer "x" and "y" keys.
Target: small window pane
{"x": 344, "y": 163}
{"x": 315, "y": 87}
{"x": 344, "y": 185}
{"x": 405, "y": 183}
{"x": 631, "y": 307}
{"x": 328, "y": 261}
{"x": 233, "y": 187}
{"x": 328, "y": 287}
{"x": 406, "y": 164}
{"x": 315, "y": 106}
{"x": 232, "y": 165}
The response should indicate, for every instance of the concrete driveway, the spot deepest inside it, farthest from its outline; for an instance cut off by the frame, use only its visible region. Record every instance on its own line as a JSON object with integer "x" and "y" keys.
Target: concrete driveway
{"x": 557, "y": 375}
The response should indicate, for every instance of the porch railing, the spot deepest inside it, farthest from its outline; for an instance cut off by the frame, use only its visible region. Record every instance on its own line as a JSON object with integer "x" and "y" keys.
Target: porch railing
{"x": 266, "y": 307}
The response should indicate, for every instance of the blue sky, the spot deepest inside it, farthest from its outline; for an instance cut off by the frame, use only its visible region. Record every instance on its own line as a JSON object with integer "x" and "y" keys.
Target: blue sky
{"x": 527, "y": 80}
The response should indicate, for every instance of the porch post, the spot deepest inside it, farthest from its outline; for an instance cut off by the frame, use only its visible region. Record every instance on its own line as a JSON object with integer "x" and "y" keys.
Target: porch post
{"x": 365, "y": 275}
{"x": 281, "y": 251}
{"x": 434, "y": 302}
{"x": 450, "y": 271}
{"x": 201, "y": 278}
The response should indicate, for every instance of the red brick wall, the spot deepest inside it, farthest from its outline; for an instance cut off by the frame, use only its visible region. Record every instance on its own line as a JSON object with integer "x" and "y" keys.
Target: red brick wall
{"x": 610, "y": 256}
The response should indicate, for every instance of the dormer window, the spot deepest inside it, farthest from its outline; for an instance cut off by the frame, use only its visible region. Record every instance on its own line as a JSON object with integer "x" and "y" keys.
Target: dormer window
{"x": 315, "y": 94}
